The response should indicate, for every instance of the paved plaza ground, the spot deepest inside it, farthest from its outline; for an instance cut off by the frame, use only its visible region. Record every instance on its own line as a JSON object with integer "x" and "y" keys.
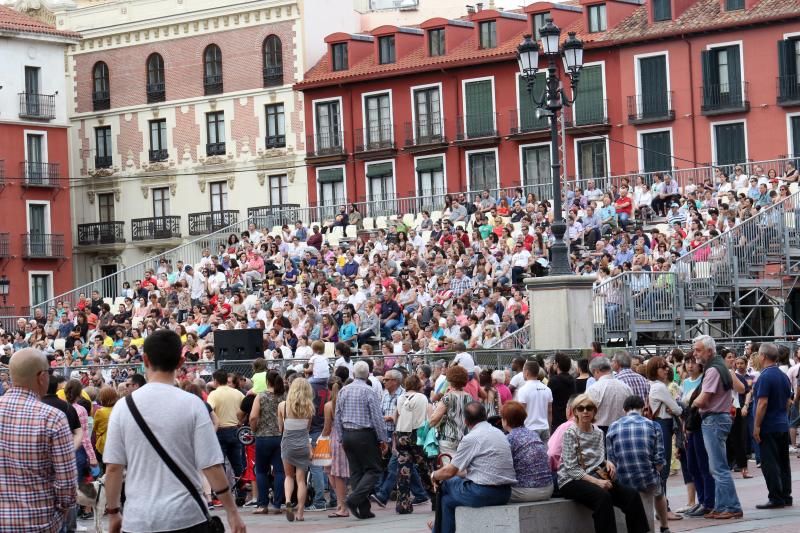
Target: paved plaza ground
{"x": 751, "y": 492}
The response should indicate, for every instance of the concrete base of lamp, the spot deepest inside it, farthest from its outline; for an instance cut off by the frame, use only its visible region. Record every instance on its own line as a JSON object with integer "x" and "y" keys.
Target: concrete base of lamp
{"x": 561, "y": 308}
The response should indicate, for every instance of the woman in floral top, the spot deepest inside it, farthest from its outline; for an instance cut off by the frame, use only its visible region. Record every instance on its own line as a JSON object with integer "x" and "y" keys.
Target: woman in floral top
{"x": 531, "y": 464}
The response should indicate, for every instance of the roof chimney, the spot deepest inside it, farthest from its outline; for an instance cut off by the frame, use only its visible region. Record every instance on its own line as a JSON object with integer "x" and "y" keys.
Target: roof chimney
{"x": 470, "y": 10}
{"x": 479, "y": 5}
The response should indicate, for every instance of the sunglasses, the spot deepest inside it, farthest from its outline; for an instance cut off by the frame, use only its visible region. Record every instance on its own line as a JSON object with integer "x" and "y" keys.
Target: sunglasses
{"x": 582, "y": 408}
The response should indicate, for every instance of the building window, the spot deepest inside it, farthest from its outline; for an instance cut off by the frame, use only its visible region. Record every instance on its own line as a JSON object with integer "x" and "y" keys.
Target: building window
{"x": 480, "y": 118}
{"x": 36, "y": 169}
{"x": 105, "y": 207}
{"x": 656, "y": 151}
{"x": 218, "y": 191}
{"x": 662, "y": 10}
{"x": 161, "y": 202}
{"x": 331, "y": 191}
{"x": 212, "y": 69}
{"x": 428, "y": 126}
{"x": 436, "y": 42}
{"x": 158, "y": 140}
{"x": 273, "y": 61}
{"x": 430, "y": 177}
{"x": 539, "y": 21}
{"x": 488, "y": 33}
{"x": 339, "y": 52}
{"x": 795, "y": 139}
{"x": 386, "y": 52}
{"x": 536, "y": 170}
{"x": 597, "y": 18}
{"x": 482, "y": 171}
{"x": 101, "y": 92}
{"x": 729, "y": 144}
{"x": 329, "y": 134}
{"x": 722, "y": 79}
{"x": 789, "y": 71}
{"x": 278, "y": 190}
{"x": 102, "y": 139}
{"x": 40, "y": 288}
{"x": 276, "y": 127}
{"x": 734, "y": 5}
{"x": 380, "y": 188}
{"x": 653, "y": 101}
{"x": 215, "y": 129}
{"x": 592, "y": 159}
{"x": 379, "y": 121}
{"x": 155, "y": 78}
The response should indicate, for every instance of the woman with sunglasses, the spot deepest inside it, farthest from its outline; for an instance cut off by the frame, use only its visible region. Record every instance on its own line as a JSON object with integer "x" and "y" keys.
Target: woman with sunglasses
{"x": 587, "y": 478}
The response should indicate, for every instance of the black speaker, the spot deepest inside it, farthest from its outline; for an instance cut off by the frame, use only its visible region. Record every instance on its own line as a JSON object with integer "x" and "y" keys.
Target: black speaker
{"x": 239, "y": 344}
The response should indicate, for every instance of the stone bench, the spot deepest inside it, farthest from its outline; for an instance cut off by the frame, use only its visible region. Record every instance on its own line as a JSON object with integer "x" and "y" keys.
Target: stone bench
{"x": 556, "y": 515}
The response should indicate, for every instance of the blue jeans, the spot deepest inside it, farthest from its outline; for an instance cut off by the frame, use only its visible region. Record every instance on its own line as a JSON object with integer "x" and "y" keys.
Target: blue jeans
{"x": 458, "y": 491}
{"x": 666, "y": 436}
{"x": 751, "y": 422}
{"x": 716, "y": 427}
{"x": 697, "y": 458}
{"x": 268, "y": 454}
{"x": 389, "y": 326}
{"x": 231, "y": 449}
{"x": 318, "y": 478}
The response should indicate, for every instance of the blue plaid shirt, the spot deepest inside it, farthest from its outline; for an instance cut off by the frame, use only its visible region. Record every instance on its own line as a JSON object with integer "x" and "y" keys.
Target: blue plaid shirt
{"x": 638, "y": 383}
{"x": 635, "y": 447}
{"x": 358, "y": 407}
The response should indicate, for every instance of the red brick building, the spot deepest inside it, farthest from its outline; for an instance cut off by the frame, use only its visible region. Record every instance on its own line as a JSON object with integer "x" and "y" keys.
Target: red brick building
{"x": 35, "y": 241}
{"x": 667, "y": 84}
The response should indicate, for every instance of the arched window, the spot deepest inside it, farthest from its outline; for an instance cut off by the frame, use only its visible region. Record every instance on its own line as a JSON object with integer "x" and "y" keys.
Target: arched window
{"x": 155, "y": 78}
{"x": 273, "y": 61}
{"x": 212, "y": 69}
{"x": 101, "y": 93}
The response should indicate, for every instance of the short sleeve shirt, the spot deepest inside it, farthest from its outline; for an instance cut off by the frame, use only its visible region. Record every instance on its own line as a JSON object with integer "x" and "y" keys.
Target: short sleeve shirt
{"x": 720, "y": 400}
{"x": 773, "y": 385}
{"x": 485, "y": 455}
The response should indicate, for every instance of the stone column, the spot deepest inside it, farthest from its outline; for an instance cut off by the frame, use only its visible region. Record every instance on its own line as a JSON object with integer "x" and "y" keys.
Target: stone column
{"x": 562, "y": 312}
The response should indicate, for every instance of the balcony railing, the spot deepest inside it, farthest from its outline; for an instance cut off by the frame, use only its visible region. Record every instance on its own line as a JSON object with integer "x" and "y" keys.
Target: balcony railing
{"x": 37, "y": 174}
{"x": 587, "y": 114}
{"x": 722, "y": 98}
{"x": 523, "y": 121}
{"x": 268, "y": 216}
{"x": 425, "y": 131}
{"x": 375, "y": 137}
{"x": 98, "y": 233}
{"x": 156, "y": 92}
{"x": 212, "y": 84}
{"x": 789, "y": 90}
{"x": 5, "y": 244}
{"x": 215, "y": 149}
{"x": 650, "y": 107}
{"x": 37, "y": 106}
{"x": 275, "y": 141}
{"x": 211, "y": 221}
{"x": 273, "y": 76}
{"x": 155, "y": 228}
{"x": 325, "y": 143}
{"x": 42, "y": 245}
{"x": 103, "y": 161}
{"x": 476, "y": 126}
{"x": 158, "y": 155}
{"x": 101, "y": 100}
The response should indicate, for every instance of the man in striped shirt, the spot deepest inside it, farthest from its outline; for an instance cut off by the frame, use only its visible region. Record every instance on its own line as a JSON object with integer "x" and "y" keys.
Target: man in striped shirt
{"x": 37, "y": 465}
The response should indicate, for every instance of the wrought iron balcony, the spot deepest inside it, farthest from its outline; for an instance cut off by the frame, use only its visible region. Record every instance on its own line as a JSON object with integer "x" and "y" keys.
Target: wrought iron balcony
{"x": 375, "y": 137}
{"x": 425, "y": 132}
{"x": 211, "y": 221}
{"x": 275, "y": 141}
{"x": 326, "y": 143}
{"x": 158, "y": 155}
{"x": 268, "y": 216}
{"x": 101, "y": 100}
{"x": 155, "y": 228}
{"x": 215, "y": 149}
{"x": 722, "y": 98}
{"x": 476, "y": 126}
{"x": 273, "y": 76}
{"x": 523, "y": 121}
{"x": 99, "y": 233}
{"x": 212, "y": 84}
{"x": 789, "y": 90}
{"x": 5, "y": 245}
{"x": 650, "y": 107}
{"x": 42, "y": 245}
{"x": 103, "y": 161}
{"x": 586, "y": 113}
{"x": 37, "y": 106}
{"x": 156, "y": 92}
{"x": 37, "y": 174}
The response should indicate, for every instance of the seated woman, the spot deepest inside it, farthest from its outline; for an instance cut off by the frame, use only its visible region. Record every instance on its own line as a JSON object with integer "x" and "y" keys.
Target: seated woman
{"x": 586, "y": 477}
{"x": 534, "y": 482}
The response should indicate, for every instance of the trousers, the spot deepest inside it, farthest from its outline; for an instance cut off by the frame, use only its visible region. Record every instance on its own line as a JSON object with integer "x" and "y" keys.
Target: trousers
{"x": 602, "y": 503}
{"x": 364, "y": 459}
{"x": 458, "y": 491}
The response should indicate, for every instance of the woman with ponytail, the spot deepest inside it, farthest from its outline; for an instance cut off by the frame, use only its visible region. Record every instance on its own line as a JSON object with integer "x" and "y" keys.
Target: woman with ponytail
{"x": 339, "y": 471}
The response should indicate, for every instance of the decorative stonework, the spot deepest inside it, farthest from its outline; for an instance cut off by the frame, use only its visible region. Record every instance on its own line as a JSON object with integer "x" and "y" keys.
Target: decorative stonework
{"x": 204, "y": 179}
{"x": 102, "y": 172}
{"x": 261, "y": 178}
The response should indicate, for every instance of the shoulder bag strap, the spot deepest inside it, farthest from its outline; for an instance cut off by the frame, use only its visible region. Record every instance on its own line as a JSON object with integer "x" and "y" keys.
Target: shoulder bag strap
{"x": 176, "y": 470}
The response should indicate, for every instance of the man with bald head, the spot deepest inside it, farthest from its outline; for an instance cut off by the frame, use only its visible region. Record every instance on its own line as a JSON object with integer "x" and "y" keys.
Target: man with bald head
{"x": 37, "y": 466}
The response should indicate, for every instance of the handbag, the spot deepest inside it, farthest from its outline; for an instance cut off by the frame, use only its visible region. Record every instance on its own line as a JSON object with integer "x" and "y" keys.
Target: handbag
{"x": 322, "y": 455}
{"x": 694, "y": 421}
{"x": 215, "y": 524}
{"x": 601, "y": 472}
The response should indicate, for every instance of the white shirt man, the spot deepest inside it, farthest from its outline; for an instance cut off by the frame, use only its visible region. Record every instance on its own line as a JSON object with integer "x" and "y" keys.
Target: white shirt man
{"x": 521, "y": 258}
{"x": 538, "y": 401}
{"x": 607, "y": 392}
{"x": 464, "y": 359}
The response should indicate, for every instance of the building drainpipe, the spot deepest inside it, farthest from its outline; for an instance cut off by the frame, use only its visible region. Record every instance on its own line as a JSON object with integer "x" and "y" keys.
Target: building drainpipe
{"x": 691, "y": 99}
{"x": 353, "y": 144}
{"x": 455, "y": 124}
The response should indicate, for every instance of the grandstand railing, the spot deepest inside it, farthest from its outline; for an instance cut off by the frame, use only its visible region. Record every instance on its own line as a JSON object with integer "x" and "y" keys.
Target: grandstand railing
{"x": 517, "y": 340}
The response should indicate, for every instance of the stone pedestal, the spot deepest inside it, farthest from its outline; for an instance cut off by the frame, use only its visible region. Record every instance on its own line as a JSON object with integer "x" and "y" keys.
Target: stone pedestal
{"x": 561, "y": 310}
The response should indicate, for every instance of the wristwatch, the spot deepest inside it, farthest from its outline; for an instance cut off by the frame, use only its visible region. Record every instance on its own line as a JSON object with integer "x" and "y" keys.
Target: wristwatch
{"x": 112, "y": 510}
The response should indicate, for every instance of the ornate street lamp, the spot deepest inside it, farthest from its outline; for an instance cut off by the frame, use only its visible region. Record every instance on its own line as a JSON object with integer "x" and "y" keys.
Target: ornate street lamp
{"x": 5, "y": 286}
{"x": 551, "y": 100}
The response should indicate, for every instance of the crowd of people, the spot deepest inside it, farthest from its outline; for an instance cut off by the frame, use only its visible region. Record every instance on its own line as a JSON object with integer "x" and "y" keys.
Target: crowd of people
{"x": 343, "y": 436}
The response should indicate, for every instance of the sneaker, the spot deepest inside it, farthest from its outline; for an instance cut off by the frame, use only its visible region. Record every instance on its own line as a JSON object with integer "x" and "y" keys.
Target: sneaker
{"x": 688, "y": 509}
{"x": 419, "y": 501}
{"x": 380, "y": 503}
{"x": 314, "y": 508}
{"x": 251, "y": 503}
{"x": 793, "y": 449}
{"x": 210, "y": 506}
{"x": 81, "y": 528}
{"x": 216, "y": 503}
{"x": 699, "y": 512}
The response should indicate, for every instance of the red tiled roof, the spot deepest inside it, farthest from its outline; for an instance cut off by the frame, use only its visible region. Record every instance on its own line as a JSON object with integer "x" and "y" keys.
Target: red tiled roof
{"x": 14, "y": 21}
{"x": 704, "y": 15}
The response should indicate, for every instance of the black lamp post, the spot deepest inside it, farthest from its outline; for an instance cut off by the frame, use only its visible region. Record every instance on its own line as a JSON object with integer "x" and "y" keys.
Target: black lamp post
{"x": 553, "y": 98}
{"x": 5, "y": 285}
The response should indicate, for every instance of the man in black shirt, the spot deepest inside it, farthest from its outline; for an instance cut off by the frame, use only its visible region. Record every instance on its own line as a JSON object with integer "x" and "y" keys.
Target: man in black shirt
{"x": 562, "y": 385}
{"x": 97, "y": 302}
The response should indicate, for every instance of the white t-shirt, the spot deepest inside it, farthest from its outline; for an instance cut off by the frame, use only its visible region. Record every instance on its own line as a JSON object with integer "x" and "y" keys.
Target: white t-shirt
{"x": 182, "y": 425}
{"x": 319, "y": 365}
{"x": 517, "y": 381}
{"x": 341, "y": 362}
{"x": 536, "y": 396}
{"x": 465, "y": 359}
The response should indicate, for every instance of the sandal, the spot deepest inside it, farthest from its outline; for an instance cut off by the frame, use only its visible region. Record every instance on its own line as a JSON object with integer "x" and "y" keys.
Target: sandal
{"x": 337, "y": 515}
{"x": 289, "y": 512}
{"x": 261, "y": 510}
